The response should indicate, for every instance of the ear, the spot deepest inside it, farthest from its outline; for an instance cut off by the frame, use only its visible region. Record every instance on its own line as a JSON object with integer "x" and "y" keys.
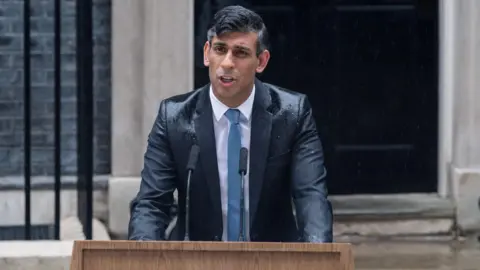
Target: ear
{"x": 206, "y": 48}
{"x": 263, "y": 61}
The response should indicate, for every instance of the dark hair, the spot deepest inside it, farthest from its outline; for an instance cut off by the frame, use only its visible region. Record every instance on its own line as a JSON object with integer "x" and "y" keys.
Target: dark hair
{"x": 239, "y": 19}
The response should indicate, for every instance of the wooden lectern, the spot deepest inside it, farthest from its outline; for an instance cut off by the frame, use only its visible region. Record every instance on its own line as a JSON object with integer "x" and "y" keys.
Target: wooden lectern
{"x": 133, "y": 255}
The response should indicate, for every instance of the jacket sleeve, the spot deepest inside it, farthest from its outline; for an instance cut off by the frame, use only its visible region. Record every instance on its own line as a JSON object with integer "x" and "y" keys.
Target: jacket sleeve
{"x": 309, "y": 187}
{"x": 150, "y": 209}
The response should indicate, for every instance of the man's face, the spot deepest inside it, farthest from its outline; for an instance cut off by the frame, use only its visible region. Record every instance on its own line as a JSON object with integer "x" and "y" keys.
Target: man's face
{"x": 232, "y": 62}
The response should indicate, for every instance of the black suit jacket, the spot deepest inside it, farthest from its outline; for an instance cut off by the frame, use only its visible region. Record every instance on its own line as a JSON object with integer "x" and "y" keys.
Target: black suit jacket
{"x": 286, "y": 161}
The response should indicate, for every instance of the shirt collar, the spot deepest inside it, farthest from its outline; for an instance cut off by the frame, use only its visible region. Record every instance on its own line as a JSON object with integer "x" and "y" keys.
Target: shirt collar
{"x": 219, "y": 108}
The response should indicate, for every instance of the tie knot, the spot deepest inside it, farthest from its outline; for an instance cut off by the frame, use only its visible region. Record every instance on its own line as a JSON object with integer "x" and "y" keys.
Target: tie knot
{"x": 233, "y": 115}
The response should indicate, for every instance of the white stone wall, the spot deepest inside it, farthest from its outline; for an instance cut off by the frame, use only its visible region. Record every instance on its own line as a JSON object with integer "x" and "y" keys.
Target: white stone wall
{"x": 152, "y": 57}
{"x": 465, "y": 164}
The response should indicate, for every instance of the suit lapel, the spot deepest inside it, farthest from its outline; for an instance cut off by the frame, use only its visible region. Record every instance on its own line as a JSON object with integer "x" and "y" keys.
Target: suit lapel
{"x": 259, "y": 145}
{"x": 208, "y": 155}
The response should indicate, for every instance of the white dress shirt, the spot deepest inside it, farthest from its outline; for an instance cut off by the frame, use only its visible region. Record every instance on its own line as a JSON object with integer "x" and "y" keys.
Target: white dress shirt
{"x": 221, "y": 126}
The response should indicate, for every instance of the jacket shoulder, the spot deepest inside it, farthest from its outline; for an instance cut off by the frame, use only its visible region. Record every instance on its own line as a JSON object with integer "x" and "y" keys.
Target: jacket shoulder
{"x": 181, "y": 103}
{"x": 284, "y": 92}
{"x": 284, "y": 98}
{"x": 184, "y": 97}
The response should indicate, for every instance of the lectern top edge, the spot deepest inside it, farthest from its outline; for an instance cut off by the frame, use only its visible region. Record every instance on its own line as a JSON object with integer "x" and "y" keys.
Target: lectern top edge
{"x": 212, "y": 246}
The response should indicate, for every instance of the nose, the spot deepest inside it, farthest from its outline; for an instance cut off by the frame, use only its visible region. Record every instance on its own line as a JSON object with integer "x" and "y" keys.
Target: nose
{"x": 227, "y": 61}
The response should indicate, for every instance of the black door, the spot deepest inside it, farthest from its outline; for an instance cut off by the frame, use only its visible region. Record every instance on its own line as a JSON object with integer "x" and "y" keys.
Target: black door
{"x": 370, "y": 71}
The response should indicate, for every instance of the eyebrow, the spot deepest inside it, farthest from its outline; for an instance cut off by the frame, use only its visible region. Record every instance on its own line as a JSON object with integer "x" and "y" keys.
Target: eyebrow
{"x": 220, "y": 43}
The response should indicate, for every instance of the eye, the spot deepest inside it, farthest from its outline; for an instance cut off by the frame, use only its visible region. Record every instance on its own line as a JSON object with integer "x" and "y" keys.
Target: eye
{"x": 241, "y": 53}
{"x": 219, "y": 49}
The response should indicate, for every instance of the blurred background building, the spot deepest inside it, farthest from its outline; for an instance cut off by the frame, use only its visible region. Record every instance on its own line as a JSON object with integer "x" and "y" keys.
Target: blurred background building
{"x": 393, "y": 83}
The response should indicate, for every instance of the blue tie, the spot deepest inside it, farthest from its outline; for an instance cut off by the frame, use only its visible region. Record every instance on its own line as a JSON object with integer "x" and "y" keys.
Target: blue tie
{"x": 234, "y": 180}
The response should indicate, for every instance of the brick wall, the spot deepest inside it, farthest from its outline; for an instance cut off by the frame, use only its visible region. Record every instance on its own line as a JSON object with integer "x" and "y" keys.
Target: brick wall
{"x": 11, "y": 87}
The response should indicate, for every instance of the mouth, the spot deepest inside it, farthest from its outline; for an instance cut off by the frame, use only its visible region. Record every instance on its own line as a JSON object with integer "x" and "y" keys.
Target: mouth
{"x": 227, "y": 80}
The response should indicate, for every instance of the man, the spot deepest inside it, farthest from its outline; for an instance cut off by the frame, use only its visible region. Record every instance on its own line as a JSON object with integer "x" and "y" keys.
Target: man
{"x": 235, "y": 110}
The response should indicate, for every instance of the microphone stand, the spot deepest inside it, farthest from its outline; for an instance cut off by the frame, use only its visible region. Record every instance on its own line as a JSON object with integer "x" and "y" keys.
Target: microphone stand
{"x": 192, "y": 161}
{"x": 187, "y": 206}
{"x": 242, "y": 169}
{"x": 241, "y": 237}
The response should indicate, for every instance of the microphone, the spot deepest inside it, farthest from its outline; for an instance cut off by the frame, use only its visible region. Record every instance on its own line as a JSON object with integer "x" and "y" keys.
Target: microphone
{"x": 192, "y": 163}
{"x": 242, "y": 170}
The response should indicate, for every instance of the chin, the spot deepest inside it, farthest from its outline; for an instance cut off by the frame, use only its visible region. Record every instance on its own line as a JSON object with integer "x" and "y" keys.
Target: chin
{"x": 227, "y": 93}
